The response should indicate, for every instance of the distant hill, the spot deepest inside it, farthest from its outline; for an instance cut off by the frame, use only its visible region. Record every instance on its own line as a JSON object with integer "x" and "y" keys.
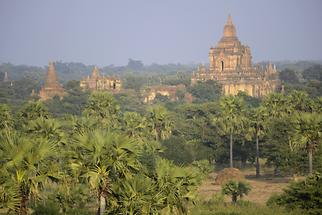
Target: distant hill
{"x": 75, "y": 71}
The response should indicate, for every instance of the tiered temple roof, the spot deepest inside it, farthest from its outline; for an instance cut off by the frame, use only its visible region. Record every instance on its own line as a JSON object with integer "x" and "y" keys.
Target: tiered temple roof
{"x": 51, "y": 87}
{"x": 231, "y": 65}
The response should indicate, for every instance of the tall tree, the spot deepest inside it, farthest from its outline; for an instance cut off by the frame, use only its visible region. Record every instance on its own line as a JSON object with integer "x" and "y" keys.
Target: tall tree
{"x": 258, "y": 123}
{"x": 281, "y": 148}
{"x": 300, "y": 101}
{"x": 309, "y": 133}
{"x": 277, "y": 105}
{"x": 230, "y": 119}
{"x": 104, "y": 158}
{"x": 103, "y": 107}
{"x": 289, "y": 76}
{"x": 159, "y": 122}
{"x": 26, "y": 163}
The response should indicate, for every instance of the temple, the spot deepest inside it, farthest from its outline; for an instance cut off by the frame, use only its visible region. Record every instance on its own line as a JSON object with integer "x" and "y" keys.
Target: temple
{"x": 98, "y": 82}
{"x": 231, "y": 65}
{"x": 6, "y": 81}
{"x": 51, "y": 87}
{"x": 150, "y": 93}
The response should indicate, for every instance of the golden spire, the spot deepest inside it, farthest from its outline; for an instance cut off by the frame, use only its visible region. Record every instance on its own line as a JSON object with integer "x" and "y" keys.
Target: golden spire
{"x": 51, "y": 78}
{"x": 229, "y": 29}
{"x": 95, "y": 72}
{"x": 229, "y": 20}
{"x": 51, "y": 87}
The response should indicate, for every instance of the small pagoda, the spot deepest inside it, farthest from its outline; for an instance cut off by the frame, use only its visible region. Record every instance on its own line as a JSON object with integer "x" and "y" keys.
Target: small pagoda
{"x": 51, "y": 87}
{"x": 6, "y": 78}
{"x": 6, "y": 81}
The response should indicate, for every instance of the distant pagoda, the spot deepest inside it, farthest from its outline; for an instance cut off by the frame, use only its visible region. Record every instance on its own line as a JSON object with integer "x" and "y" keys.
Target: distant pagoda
{"x": 6, "y": 78}
{"x": 51, "y": 87}
{"x": 6, "y": 81}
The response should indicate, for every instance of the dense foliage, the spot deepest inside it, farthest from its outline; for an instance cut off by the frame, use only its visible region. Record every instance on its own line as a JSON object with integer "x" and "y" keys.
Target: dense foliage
{"x": 113, "y": 154}
{"x": 305, "y": 195}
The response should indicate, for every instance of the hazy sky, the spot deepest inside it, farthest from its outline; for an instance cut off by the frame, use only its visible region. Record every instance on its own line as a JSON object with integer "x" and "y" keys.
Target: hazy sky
{"x": 108, "y": 32}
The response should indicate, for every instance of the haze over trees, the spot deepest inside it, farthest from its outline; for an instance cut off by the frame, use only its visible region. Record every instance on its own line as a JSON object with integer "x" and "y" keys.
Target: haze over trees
{"x": 101, "y": 153}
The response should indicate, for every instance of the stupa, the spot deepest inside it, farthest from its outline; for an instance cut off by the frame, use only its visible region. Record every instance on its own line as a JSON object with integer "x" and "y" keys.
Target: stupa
{"x": 51, "y": 87}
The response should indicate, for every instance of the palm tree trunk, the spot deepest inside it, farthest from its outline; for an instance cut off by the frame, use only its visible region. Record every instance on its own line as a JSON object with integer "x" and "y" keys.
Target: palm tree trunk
{"x": 310, "y": 161}
{"x": 257, "y": 157}
{"x": 102, "y": 197}
{"x": 243, "y": 157}
{"x": 23, "y": 205}
{"x": 234, "y": 198}
{"x": 231, "y": 149}
{"x": 102, "y": 205}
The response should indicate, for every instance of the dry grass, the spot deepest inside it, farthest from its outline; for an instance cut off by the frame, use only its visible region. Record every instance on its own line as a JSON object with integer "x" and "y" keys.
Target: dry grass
{"x": 262, "y": 188}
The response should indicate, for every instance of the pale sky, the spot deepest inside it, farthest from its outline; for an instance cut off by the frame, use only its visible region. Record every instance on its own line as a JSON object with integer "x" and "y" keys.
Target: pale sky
{"x": 105, "y": 32}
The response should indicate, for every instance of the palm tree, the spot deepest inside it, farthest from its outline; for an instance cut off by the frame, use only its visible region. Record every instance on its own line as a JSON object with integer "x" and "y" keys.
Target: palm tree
{"x": 102, "y": 106}
{"x": 32, "y": 110}
{"x": 9, "y": 196}
{"x": 309, "y": 133}
{"x": 231, "y": 117}
{"x": 47, "y": 128}
{"x": 258, "y": 120}
{"x": 104, "y": 158}
{"x": 300, "y": 101}
{"x": 27, "y": 164}
{"x": 177, "y": 186}
{"x": 277, "y": 105}
{"x": 83, "y": 124}
{"x": 159, "y": 122}
{"x": 235, "y": 189}
{"x": 6, "y": 120}
{"x": 137, "y": 195}
{"x": 134, "y": 124}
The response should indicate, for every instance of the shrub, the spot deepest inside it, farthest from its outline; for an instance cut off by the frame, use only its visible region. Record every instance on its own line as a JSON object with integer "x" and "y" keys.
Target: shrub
{"x": 236, "y": 189}
{"x": 305, "y": 195}
{"x": 203, "y": 166}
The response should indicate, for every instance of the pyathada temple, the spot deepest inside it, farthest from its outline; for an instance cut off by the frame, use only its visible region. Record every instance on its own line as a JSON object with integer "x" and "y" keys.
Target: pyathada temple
{"x": 51, "y": 87}
{"x": 98, "y": 82}
{"x": 231, "y": 65}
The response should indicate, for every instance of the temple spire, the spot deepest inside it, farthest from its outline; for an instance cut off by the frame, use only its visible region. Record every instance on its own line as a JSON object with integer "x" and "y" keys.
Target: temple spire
{"x": 229, "y": 29}
{"x": 51, "y": 87}
{"x": 6, "y": 79}
{"x": 95, "y": 72}
{"x": 51, "y": 78}
{"x": 229, "y": 20}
